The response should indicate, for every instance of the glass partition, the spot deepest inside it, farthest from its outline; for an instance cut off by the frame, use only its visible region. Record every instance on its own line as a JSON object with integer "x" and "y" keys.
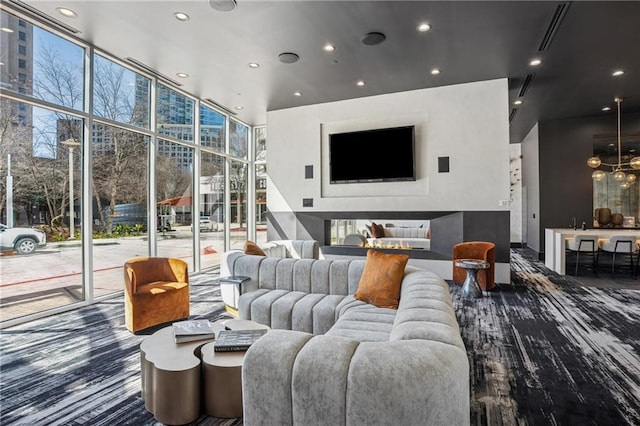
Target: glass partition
{"x": 120, "y": 94}
{"x": 40, "y": 64}
{"x": 238, "y": 186}
{"x": 212, "y": 209}
{"x": 174, "y": 114}
{"x": 40, "y": 206}
{"x": 261, "y": 183}
{"x": 44, "y": 75}
{"x": 174, "y": 178}
{"x": 120, "y": 219}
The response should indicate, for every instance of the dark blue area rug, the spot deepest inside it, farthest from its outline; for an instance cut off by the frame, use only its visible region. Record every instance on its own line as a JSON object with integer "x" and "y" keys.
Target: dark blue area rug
{"x": 543, "y": 350}
{"x": 546, "y": 350}
{"x": 83, "y": 367}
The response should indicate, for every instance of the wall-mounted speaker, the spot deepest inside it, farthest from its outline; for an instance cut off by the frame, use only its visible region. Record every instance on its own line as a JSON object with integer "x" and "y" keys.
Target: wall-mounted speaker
{"x": 443, "y": 164}
{"x": 308, "y": 172}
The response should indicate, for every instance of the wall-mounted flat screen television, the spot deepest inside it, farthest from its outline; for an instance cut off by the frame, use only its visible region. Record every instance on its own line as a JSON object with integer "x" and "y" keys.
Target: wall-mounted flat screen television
{"x": 379, "y": 155}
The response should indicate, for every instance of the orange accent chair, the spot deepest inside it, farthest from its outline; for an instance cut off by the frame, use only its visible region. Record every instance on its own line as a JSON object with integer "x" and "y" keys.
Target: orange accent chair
{"x": 156, "y": 291}
{"x": 476, "y": 250}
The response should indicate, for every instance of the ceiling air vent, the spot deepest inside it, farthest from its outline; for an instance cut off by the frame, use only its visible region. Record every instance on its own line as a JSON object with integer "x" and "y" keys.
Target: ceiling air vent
{"x": 512, "y": 114}
{"x": 525, "y": 85}
{"x": 42, "y": 17}
{"x": 556, "y": 20}
{"x": 217, "y": 105}
{"x": 152, "y": 71}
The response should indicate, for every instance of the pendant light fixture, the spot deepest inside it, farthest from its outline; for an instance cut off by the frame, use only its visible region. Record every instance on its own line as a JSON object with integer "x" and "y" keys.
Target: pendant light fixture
{"x": 618, "y": 169}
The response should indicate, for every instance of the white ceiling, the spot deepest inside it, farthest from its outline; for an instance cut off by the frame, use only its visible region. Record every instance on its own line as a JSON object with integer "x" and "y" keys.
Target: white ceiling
{"x": 469, "y": 41}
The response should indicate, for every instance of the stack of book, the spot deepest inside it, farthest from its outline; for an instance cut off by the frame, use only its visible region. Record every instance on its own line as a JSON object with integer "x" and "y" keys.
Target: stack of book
{"x": 237, "y": 340}
{"x": 192, "y": 330}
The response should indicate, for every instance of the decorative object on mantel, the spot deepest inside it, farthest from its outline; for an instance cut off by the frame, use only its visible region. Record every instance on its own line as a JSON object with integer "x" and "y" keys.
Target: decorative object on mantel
{"x": 376, "y": 244}
{"x": 618, "y": 170}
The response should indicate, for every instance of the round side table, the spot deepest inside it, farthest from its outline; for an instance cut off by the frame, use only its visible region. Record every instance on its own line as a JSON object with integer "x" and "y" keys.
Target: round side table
{"x": 470, "y": 288}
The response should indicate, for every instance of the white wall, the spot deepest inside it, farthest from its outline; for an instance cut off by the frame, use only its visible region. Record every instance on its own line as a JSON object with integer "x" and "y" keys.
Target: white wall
{"x": 466, "y": 122}
{"x": 531, "y": 189}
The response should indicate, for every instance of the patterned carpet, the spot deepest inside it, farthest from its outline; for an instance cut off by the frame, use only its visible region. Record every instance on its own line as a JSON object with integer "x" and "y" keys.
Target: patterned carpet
{"x": 547, "y": 350}
{"x": 544, "y": 350}
{"x": 83, "y": 367}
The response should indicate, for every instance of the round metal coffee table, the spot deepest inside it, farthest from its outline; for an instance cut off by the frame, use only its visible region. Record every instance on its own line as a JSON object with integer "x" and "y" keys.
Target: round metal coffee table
{"x": 222, "y": 375}
{"x": 470, "y": 288}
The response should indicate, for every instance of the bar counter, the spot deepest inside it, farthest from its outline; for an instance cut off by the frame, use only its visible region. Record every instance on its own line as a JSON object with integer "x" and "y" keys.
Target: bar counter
{"x": 555, "y": 242}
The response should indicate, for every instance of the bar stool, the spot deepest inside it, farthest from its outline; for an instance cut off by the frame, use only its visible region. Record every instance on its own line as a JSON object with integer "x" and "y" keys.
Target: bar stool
{"x": 621, "y": 245}
{"x": 587, "y": 244}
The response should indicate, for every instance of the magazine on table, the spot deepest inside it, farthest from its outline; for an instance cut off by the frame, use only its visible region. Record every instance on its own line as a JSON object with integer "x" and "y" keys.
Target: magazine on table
{"x": 237, "y": 340}
{"x": 192, "y": 330}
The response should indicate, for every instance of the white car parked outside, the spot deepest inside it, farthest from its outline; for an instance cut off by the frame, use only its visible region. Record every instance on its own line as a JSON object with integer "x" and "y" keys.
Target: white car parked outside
{"x": 23, "y": 240}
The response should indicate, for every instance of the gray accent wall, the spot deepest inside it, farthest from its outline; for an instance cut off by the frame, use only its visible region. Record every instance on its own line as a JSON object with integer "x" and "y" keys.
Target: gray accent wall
{"x": 566, "y": 186}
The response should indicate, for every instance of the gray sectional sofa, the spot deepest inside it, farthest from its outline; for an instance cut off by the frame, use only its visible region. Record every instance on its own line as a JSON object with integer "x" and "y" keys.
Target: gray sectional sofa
{"x": 334, "y": 360}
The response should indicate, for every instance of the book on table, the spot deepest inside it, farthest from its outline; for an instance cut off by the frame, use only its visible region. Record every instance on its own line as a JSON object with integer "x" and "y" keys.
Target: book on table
{"x": 237, "y": 340}
{"x": 192, "y": 330}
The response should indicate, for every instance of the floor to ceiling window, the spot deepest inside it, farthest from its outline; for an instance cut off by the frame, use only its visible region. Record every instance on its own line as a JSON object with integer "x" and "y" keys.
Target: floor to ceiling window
{"x": 260, "y": 161}
{"x": 109, "y": 165}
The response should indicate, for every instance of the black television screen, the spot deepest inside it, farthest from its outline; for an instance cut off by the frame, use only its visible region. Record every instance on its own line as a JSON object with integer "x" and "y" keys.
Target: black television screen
{"x": 380, "y": 155}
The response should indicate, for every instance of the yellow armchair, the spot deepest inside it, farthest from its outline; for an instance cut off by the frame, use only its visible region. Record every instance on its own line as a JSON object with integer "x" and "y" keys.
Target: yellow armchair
{"x": 156, "y": 291}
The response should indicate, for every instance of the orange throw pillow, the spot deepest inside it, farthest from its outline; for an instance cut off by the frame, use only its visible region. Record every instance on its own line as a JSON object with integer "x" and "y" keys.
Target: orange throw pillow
{"x": 381, "y": 279}
{"x": 252, "y": 248}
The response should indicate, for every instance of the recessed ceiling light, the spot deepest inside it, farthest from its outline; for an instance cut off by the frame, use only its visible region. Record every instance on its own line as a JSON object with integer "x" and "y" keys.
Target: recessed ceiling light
{"x": 535, "y": 62}
{"x": 239, "y": 107}
{"x": 435, "y": 71}
{"x": 329, "y": 48}
{"x": 606, "y": 108}
{"x": 254, "y": 65}
{"x": 424, "y": 27}
{"x": 617, "y": 73}
{"x": 360, "y": 83}
{"x": 182, "y": 75}
{"x": 67, "y": 13}
{"x": 517, "y": 102}
{"x": 6, "y": 30}
{"x": 297, "y": 94}
{"x": 181, "y": 16}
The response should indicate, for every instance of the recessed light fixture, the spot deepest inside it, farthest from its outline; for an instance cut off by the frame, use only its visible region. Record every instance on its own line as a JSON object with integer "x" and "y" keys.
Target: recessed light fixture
{"x": 181, "y": 16}
{"x": 297, "y": 94}
{"x": 435, "y": 71}
{"x": 424, "y": 27}
{"x": 67, "y": 13}
{"x": 606, "y": 108}
{"x": 254, "y": 65}
{"x": 182, "y": 75}
{"x": 360, "y": 83}
{"x": 329, "y": 48}
{"x": 617, "y": 73}
{"x": 239, "y": 107}
{"x": 6, "y": 30}
{"x": 517, "y": 102}
{"x": 535, "y": 62}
